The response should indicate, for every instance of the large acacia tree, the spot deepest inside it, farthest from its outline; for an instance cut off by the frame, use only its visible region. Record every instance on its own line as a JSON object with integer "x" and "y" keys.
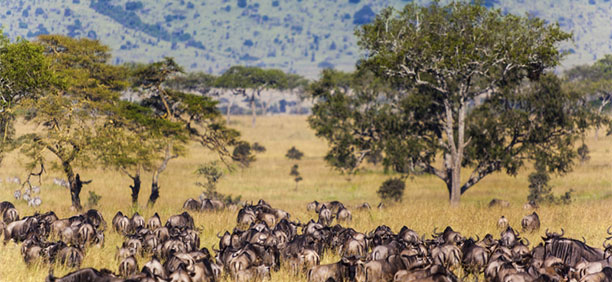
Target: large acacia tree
{"x": 183, "y": 117}
{"x": 461, "y": 86}
{"x": 69, "y": 113}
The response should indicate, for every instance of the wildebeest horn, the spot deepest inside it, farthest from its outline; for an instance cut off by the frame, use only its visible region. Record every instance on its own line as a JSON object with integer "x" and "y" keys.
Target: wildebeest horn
{"x": 547, "y": 234}
{"x": 526, "y": 240}
{"x": 435, "y": 231}
{"x": 562, "y": 232}
{"x": 219, "y": 236}
{"x": 606, "y": 246}
{"x": 583, "y": 240}
{"x": 608, "y": 230}
{"x": 477, "y": 238}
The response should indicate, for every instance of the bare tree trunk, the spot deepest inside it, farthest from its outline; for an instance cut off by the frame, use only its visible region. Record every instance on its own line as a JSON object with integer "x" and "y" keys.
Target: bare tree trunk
{"x": 135, "y": 187}
{"x": 75, "y": 186}
{"x": 253, "y": 111}
{"x": 155, "y": 183}
{"x": 229, "y": 109}
{"x": 456, "y": 147}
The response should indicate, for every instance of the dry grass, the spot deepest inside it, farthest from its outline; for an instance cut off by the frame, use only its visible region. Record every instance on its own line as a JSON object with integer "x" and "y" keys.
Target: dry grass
{"x": 424, "y": 205}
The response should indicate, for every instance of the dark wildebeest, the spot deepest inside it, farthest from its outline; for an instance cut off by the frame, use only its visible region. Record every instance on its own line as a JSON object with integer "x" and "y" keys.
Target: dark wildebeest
{"x": 345, "y": 269}
{"x": 570, "y": 251}
{"x": 531, "y": 223}
{"x": 183, "y": 220}
{"x": 86, "y": 274}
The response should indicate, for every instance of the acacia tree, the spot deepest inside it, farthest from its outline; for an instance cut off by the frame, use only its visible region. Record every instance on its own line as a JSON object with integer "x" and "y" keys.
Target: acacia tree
{"x": 131, "y": 138}
{"x": 467, "y": 85}
{"x": 196, "y": 116}
{"x": 69, "y": 114}
{"x": 24, "y": 73}
{"x": 240, "y": 78}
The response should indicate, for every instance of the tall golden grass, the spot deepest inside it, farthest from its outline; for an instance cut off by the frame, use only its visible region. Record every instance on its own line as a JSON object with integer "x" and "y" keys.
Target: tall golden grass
{"x": 424, "y": 205}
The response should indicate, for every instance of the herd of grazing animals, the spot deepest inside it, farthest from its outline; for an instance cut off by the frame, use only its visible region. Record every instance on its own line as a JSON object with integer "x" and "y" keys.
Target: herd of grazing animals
{"x": 266, "y": 239}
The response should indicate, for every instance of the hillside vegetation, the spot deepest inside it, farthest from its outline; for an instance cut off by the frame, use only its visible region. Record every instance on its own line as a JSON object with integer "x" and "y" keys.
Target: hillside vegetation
{"x": 294, "y": 35}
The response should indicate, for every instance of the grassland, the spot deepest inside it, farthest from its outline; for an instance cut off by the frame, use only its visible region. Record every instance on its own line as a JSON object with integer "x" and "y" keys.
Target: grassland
{"x": 424, "y": 205}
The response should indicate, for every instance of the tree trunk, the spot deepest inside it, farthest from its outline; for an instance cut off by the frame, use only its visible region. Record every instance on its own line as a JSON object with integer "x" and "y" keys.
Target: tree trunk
{"x": 135, "y": 188}
{"x": 154, "y": 194}
{"x": 75, "y": 186}
{"x": 454, "y": 157}
{"x": 155, "y": 181}
{"x": 253, "y": 111}
{"x": 229, "y": 109}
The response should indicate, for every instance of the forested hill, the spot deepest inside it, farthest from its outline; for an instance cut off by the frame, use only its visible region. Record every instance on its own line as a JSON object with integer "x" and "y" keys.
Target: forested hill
{"x": 300, "y": 36}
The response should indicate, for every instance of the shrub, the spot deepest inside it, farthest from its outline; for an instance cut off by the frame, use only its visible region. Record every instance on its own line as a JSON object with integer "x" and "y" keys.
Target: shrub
{"x": 242, "y": 154}
{"x": 583, "y": 153}
{"x": 258, "y": 148}
{"x": 392, "y": 189}
{"x": 294, "y": 154}
{"x": 541, "y": 193}
{"x": 212, "y": 172}
{"x": 296, "y": 174}
{"x": 93, "y": 199}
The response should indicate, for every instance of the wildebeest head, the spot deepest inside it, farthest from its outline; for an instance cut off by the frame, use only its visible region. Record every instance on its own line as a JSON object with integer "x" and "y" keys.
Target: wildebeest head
{"x": 10, "y": 215}
{"x": 508, "y": 237}
{"x": 95, "y": 218}
{"x": 531, "y": 222}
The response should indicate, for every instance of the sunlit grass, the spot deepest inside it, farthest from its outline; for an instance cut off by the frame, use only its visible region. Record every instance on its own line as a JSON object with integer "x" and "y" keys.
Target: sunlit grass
{"x": 423, "y": 208}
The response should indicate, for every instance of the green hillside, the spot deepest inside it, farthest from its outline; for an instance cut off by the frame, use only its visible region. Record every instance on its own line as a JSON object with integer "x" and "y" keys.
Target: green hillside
{"x": 300, "y": 36}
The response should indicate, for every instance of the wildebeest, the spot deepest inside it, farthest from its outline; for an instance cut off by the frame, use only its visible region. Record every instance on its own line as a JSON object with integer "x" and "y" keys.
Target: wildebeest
{"x": 502, "y": 223}
{"x": 86, "y": 274}
{"x": 128, "y": 266}
{"x": 531, "y": 223}
{"x": 499, "y": 203}
{"x": 345, "y": 269}
{"x": 5, "y": 205}
{"x": 10, "y": 215}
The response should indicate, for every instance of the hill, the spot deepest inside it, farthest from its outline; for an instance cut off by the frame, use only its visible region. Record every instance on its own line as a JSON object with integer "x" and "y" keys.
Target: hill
{"x": 298, "y": 36}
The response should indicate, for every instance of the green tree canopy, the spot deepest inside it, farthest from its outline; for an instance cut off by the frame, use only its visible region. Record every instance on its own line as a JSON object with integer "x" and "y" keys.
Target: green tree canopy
{"x": 24, "y": 73}
{"x": 458, "y": 86}
{"x": 70, "y": 113}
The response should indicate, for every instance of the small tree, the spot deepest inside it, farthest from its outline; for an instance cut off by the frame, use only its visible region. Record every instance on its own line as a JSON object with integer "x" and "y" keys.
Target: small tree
{"x": 392, "y": 189}
{"x": 296, "y": 174}
{"x": 243, "y": 154}
{"x": 212, "y": 173}
{"x": 540, "y": 191}
{"x": 294, "y": 154}
{"x": 583, "y": 153}
{"x": 258, "y": 148}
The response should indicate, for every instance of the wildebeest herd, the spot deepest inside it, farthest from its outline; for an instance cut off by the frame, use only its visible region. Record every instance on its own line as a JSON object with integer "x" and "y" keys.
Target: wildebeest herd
{"x": 266, "y": 239}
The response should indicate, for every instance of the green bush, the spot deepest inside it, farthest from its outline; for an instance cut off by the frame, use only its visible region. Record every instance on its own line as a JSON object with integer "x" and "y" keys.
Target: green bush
{"x": 392, "y": 189}
{"x": 243, "y": 154}
{"x": 294, "y": 154}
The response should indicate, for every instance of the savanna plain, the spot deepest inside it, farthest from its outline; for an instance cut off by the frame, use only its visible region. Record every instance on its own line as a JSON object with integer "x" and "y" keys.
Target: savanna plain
{"x": 423, "y": 207}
